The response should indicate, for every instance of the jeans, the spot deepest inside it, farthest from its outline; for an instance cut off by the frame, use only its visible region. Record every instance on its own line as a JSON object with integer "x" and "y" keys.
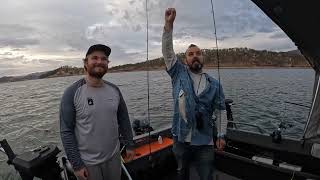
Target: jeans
{"x": 202, "y": 157}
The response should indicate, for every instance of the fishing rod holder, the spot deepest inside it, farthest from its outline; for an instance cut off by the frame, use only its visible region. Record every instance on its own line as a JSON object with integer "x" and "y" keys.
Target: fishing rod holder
{"x": 141, "y": 127}
{"x": 228, "y": 104}
{"x": 277, "y": 134}
{"x": 41, "y": 162}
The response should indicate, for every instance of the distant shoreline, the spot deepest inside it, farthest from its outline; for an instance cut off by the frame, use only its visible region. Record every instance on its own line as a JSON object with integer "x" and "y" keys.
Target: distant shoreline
{"x": 215, "y": 67}
{"x": 205, "y": 67}
{"x": 259, "y": 67}
{"x": 234, "y": 58}
{"x": 163, "y": 69}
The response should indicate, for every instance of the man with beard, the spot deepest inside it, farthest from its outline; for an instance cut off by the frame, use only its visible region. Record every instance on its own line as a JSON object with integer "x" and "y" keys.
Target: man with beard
{"x": 92, "y": 111}
{"x": 198, "y": 99}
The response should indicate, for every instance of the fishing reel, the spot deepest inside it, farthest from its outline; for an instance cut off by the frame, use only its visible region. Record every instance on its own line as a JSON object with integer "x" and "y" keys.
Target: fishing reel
{"x": 277, "y": 134}
{"x": 229, "y": 103}
{"x": 141, "y": 127}
{"x": 41, "y": 163}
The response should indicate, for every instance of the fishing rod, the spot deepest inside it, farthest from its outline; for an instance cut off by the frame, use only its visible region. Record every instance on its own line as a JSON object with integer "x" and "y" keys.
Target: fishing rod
{"x": 298, "y": 104}
{"x": 218, "y": 66}
{"x": 148, "y": 81}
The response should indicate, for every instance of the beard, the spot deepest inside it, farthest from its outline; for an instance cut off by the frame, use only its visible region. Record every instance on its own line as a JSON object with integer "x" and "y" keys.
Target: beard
{"x": 96, "y": 73}
{"x": 196, "y": 65}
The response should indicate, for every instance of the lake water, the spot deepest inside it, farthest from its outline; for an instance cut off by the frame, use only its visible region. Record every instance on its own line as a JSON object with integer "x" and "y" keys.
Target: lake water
{"x": 29, "y": 109}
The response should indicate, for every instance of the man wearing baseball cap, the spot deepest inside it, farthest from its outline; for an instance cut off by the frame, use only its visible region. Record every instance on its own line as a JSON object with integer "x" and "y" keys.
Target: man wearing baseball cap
{"x": 92, "y": 115}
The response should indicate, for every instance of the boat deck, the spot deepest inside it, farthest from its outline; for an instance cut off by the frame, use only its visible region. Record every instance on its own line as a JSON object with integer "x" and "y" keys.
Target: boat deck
{"x": 194, "y": 176}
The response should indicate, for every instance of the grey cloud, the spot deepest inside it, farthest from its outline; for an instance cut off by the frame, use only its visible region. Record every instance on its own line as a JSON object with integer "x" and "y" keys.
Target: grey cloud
{"x": 49, "y": 62}
{"x": 15, "y": 30}
{"x": 126, "y": 15}
{"x": 81, "y": 45}
{"x": 137, "y": 28}
{"x": 279, "y": 45}
{"x": 180, "y": 34}
{"x": 155, "y": 37}
{"x": 18, "y": 49}
{"x": 59, "y": 27}
{"x": 265, "y": 29}
{"x": 223, "y": 38}
{"x": 21, "y": 66}
{"x": 132, "y": 2}
{"x": 278, "y": 35}
{"x": 248, "y": 35}
{"x": 10, "y": 63}
{"x": 6, "y": 54}
{"x": 52, "y": 22}
{"x": 241, "y": 17}
{"x": 18, "y": 42}
{"x": 10, "y": 71}
{"x": 132, "y": 53}
{"x": 17, "y": 36}
{"x": 11, "y": 60}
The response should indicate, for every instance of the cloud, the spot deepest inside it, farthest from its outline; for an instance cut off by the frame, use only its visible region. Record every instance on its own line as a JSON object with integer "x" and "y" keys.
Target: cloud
{"x": 265, "y": 30}
{"x": 17, "y": 36}
{"x": 5, "y": 54}
{"x": 21, "y": 65}
{"x": 18, "y": 42}
{"x": 248, "y": 36}
{"x": 260, "y": 41}
{"x": 278, "y": 35}
{"x": 61, "y": 31}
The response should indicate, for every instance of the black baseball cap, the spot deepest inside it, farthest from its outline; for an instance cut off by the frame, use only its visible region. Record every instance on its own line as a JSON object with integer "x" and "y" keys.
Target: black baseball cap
{"x": 99, "y": 47}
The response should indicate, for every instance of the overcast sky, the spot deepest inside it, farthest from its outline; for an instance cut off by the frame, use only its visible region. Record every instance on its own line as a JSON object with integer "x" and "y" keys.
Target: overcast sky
{"x": 40, "y": 35}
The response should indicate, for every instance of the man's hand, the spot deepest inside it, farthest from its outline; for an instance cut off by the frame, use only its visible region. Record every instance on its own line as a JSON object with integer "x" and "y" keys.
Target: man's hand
{"x": 130, "y": 154}
{"x": 170, "y": 15}
{"x": 82, "y": 173}
{"x": 220, "y": 143}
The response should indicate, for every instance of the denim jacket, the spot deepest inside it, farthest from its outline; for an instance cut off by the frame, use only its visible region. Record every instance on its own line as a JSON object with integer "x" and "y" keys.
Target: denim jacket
{"x": 211, "y": 99}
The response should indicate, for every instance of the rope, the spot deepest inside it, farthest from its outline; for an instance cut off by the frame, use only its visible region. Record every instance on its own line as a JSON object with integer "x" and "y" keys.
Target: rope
{"x": 218, "y": 59}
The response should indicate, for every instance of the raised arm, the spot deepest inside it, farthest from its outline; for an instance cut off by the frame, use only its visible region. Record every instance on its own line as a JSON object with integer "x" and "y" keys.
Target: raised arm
{"x": 167, "y": 45}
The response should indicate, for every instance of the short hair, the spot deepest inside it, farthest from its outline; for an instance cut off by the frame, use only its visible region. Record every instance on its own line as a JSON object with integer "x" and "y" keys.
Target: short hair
{"x": 190, "y": 46}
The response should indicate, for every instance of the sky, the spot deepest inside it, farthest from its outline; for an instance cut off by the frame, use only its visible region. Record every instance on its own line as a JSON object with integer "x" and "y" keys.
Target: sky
{"x": 41, "y": 35}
